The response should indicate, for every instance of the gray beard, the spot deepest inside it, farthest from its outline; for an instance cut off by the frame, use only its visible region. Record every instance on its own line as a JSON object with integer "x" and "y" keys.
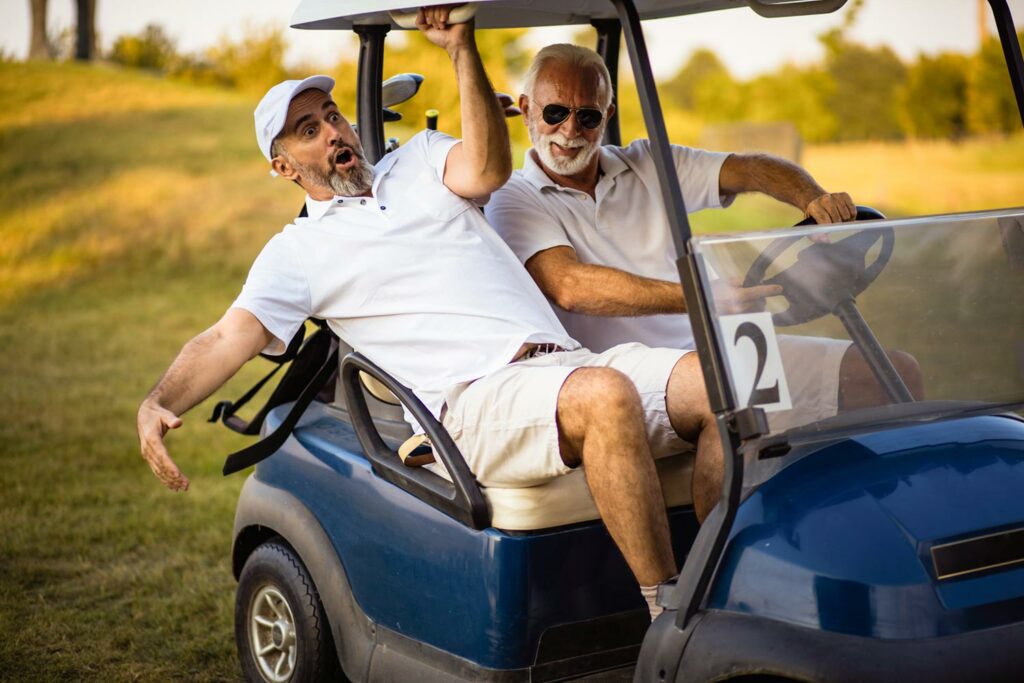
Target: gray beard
{"x": 356, "y": 181}
{"x": 564, "y": 167}
{"x": 352, "y": 183}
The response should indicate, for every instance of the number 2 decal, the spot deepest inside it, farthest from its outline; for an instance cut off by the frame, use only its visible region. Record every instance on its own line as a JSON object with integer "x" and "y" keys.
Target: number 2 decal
{"x": 754, "y": 360}
{"x": 758, "y": 396}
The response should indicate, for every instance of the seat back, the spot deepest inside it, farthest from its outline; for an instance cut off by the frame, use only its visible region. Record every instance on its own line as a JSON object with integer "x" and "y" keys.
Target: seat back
{"x": 387, "y": 413}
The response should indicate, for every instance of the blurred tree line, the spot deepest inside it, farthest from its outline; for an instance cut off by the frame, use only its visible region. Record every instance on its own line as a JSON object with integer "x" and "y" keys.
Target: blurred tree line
{"x": 858, "y": 92}
{"x": 855, "y": 92}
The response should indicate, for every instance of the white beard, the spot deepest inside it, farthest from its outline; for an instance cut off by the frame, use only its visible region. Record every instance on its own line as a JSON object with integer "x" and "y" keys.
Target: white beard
{"x": 563, "y": 165}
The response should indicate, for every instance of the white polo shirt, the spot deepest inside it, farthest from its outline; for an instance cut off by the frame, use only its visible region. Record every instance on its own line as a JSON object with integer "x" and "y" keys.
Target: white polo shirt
{"x": 626, "y": 227}
{"x": 413, "y": 277}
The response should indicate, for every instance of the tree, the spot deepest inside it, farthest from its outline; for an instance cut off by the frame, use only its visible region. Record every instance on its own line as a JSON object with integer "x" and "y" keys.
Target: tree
{"x": 85, "y": 44}
{"x": 150, "y": 49}
{"x": 991, "y": 106}
{"x": 38, "y": 47}
{"x": 702, "y": 65}
{"x": 253, "y": 64}
{"x": 934, "y": 100}
{"x": 795, "y": 94}
{"x": 867, "y": 81}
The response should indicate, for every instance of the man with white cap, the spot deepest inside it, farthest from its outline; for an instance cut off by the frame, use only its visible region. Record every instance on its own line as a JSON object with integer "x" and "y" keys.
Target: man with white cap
{"x": 402, "y": 265}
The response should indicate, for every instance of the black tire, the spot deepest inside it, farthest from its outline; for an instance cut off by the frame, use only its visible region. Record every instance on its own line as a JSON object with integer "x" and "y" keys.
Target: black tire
{"x": 278, "y": 607}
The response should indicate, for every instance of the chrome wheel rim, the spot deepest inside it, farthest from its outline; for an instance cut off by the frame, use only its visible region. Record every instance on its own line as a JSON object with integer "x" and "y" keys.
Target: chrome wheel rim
{"x": 272, "y": 634}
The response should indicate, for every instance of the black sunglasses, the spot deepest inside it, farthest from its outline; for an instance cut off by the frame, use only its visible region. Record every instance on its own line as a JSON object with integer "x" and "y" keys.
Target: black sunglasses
{"x": 554, "y": 114}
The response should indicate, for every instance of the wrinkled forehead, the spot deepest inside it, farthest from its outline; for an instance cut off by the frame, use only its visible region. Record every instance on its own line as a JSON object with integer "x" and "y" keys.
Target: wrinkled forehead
{"x": 569, "y": 84}
{"x": 306, "y": 103}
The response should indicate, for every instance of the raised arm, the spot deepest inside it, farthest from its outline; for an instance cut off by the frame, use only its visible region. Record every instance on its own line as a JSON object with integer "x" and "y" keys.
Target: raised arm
{"x": 786, "y": 182}
{"x": 204, "y": 364}
{"x": 482, "y": 162}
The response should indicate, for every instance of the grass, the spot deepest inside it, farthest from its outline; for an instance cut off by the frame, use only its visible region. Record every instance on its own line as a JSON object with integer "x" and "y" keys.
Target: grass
{"x": 132, "y": 208}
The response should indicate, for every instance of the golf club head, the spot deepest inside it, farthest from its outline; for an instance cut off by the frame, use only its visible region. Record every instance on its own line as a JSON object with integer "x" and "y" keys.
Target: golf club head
{"x": 399, "y": 88}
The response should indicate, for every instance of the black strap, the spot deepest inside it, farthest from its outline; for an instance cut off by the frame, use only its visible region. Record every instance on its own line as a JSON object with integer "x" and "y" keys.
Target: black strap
{"x": 225, "y": 410}
{"x": 305, "y": 361}
{"x": 266, "y": 447}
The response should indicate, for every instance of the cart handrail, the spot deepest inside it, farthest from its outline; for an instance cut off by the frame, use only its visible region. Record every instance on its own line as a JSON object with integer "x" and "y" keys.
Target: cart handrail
{"x": 460, "y": 498}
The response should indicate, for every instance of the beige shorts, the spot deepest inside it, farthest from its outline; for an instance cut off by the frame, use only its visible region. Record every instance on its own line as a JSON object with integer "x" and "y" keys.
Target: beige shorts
{"x": 811, "y": 365}
{"x": 505, "y": 424}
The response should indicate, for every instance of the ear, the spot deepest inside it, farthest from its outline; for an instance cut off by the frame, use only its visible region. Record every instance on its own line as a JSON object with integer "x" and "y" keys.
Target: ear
{"x": 524, "y": 106}
{"x": 611, "y": 111}
{"x": 283, "y": 168}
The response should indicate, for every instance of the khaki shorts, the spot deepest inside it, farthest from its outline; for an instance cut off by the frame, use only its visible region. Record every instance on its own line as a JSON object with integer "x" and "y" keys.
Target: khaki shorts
{"x": 811, "y": 365}
{"x": 505, "y": 423}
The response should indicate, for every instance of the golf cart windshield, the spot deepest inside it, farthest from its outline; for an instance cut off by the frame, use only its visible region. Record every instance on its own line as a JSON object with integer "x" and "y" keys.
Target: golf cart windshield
{"x": 933, "y": 307}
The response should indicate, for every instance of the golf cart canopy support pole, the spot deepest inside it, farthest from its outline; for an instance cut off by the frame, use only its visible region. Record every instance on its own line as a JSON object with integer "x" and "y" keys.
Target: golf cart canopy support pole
{"x": 715, "y": 378}
{"x": 1011, "y": 51}
{"x": 369, "y": 108}
{"x": 609, "y": 33}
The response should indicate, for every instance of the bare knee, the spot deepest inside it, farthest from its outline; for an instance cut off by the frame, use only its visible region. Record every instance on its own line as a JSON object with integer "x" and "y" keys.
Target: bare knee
{"x": 858, "y": 387}
{"x": 594, "y": 399}
{"x": 910, "y": 370}
{"x": 686, "y": 398}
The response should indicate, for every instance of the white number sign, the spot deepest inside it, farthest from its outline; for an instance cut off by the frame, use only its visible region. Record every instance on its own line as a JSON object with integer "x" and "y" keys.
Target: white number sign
{"x": 755, "y": 364}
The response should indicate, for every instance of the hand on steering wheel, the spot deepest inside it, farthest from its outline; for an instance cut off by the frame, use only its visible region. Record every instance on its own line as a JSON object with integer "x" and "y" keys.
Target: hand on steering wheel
{"x": 825, "y": 274}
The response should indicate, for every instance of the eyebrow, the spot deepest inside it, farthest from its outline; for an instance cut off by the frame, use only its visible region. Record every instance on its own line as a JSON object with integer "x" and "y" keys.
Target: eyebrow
{"x": 302, "y": 119}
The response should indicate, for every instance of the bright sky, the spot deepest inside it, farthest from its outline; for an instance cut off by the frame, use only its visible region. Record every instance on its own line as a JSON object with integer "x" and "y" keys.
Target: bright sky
{"x": 748, "y": 44}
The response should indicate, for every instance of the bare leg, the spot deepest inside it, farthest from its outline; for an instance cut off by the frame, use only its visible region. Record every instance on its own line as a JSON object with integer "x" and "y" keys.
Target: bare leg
{"x": 691, "y": 416}
{"x": 601, "y": 425}
{"x": 858, "y": 387}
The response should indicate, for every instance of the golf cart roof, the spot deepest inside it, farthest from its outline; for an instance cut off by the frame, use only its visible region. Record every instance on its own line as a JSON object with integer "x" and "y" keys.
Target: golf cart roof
{"x": 331, "y": 14}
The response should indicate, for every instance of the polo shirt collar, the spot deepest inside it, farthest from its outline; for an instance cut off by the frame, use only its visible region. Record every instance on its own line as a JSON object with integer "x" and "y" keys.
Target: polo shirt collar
{"x": 611, "y": 165}
{"x": 317, "y": 209}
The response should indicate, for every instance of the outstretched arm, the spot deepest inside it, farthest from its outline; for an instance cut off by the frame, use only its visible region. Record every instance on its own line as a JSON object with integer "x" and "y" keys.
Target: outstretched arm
{"x": 600, "y": 290}
{"x": 786, "y": 182}
{"x": 482, "y": 162}
{"x": 204, "y": 364}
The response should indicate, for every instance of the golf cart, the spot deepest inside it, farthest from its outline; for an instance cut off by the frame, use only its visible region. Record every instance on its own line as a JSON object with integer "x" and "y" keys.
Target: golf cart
{"x": 885, "y": 543}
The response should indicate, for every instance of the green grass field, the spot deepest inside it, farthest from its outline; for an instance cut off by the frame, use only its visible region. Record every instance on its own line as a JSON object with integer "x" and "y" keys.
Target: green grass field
{"x": 131, "y": 210}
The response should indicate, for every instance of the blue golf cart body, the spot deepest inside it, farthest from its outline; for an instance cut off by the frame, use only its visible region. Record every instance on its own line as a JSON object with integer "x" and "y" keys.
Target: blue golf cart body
{"x": 886, "y": 544}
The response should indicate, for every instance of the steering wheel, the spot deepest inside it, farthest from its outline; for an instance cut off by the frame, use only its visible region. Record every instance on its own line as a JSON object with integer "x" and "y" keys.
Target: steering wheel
{"x": 825, "y": 274}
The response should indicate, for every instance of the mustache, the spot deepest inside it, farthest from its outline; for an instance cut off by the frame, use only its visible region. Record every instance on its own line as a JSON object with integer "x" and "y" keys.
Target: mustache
{"x": 565, "y": 141}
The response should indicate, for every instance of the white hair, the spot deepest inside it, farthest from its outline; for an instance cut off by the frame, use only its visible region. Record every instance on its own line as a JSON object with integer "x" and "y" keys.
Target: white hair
{"x": 571, "y": 55}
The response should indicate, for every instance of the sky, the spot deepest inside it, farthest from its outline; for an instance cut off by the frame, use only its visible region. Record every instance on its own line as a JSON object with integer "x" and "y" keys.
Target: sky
{"x": 748, "y": 44}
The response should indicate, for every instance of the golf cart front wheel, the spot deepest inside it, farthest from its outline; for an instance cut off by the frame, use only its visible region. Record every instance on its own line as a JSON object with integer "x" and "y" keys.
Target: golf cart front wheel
{"x": 280, "y": 627}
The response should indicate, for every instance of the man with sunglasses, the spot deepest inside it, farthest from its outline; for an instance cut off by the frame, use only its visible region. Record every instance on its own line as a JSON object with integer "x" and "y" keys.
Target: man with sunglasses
{"x": 588, "y": 219}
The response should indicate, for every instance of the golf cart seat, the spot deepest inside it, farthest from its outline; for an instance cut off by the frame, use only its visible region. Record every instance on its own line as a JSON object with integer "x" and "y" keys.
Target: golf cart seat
{"x": 561, "y": 501}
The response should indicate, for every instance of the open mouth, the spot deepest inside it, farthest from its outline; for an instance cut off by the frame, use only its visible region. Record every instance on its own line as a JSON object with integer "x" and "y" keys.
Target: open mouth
{"x": 345, "y": 158}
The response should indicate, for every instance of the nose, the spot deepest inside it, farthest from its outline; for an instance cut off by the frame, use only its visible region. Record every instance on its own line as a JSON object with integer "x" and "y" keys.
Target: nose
{"x": 333, "y": 132}
{"x": 570, "y": 128}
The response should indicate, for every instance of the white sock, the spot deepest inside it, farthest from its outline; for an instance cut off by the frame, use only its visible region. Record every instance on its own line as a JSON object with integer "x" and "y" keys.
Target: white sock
{"x": 650, "y": 594}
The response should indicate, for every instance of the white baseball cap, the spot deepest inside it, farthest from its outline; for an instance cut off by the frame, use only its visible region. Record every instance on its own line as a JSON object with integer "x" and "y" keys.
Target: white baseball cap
{"x": 272, "y": 110}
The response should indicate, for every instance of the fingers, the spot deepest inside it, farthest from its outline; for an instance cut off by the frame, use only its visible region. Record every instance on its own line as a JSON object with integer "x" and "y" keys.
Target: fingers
{"x": 730, "y": 297}
{"x": 155, "y": 453}
{"x": 835, "y": 207}
{"x": 434, "y": 17}
{"x": 153, "y": 424}
{"x": 758, "y": 292}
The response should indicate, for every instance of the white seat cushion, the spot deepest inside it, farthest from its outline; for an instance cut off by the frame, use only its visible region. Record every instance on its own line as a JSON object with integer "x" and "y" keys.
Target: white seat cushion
{"x": 567, "y": 500}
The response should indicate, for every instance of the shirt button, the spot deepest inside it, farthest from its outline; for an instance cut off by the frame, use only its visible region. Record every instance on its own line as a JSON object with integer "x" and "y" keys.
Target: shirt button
{"x": 383, "y": 208}
{"x": 341, "y": 201}
{"x": 362, "y": 202}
